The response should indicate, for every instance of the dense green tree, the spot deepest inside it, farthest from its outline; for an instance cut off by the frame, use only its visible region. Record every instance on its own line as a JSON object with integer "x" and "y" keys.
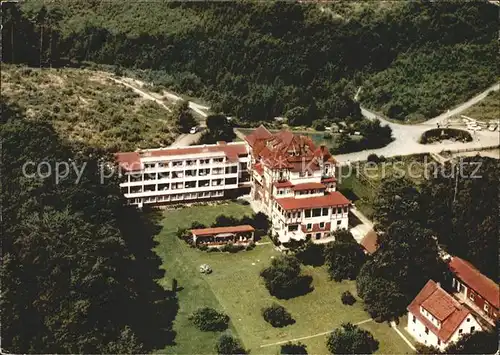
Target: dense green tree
{"x": 406, "y": 259}
{"x": 397, "y": 199}
{"x": 460, "y": 205}
{"x": 297, "y": 116}
{"x": 351, "y": 339}
{"x": 485, "y": 342}
{"x": 293, "y": 349}
{"x": 208, "y": 319}
{"x": 184, "y": 116}
{"x": 311, "y": 253}
{"x": 277, "y": 316}
{"x": 87, "y": 278}
{"x": 229, "y": 345}
{"x": 283, "y": 278}
{"x": 344, "y": 259}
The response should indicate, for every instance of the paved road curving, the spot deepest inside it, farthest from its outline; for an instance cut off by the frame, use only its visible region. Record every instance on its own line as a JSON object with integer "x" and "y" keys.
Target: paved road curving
{"x": 406, "y": 136}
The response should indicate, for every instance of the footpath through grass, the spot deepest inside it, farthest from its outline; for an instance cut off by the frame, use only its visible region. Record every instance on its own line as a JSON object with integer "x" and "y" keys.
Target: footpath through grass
{"x": 236, "y": 288}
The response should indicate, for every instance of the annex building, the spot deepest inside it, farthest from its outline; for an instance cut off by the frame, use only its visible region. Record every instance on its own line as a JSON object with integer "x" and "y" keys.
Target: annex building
{"x": 287, "y": 175}
{"x": 435, "y": 318}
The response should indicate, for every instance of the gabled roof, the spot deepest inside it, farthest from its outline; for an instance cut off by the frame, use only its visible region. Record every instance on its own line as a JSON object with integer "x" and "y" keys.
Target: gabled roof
{"x": 260, "y": 133}
{"x": 442, "y": 306}
{"x": 330, "y": 199}
{"x": 473, "y": 278}
{"x": 218, "y": 230}
{"x": 369, "y": 242}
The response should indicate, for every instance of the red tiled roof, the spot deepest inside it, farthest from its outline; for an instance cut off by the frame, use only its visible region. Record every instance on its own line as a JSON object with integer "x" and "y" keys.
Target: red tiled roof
{"x": 231, "y": 151}
{"x": 329, "y": 179}
{"x": 283, "y": 184}
{"x": 316, "y": 228}
{"x": 259, "y": 169}
{"x": 309, "y": 186}
{"x": 331, "y": 199}
{"x": 471, "y": 276}
{"x": 130, "y": 161}
{"x": 442, "y": 306}
{"x": 369, "y": 241}
{"x": 259, "y": 133}
{"x": 217, "y": 230}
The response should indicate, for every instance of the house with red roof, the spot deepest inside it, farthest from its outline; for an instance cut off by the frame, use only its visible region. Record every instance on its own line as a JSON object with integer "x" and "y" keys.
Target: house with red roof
{"x": 435, "y": 318}
{"x": 474, "y": 289}
{"x": 295, "y": 183}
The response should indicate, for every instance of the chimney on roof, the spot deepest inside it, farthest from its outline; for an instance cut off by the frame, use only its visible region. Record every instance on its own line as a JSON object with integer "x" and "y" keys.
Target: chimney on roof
{"x": 438, "y": 284}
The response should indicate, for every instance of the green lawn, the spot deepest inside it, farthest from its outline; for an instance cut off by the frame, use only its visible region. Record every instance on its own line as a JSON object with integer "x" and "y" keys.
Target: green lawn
{"x": 236, "y": 288}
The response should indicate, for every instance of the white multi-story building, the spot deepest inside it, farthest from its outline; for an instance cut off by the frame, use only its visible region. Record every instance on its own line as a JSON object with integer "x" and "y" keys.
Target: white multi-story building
{"x": 437, "y": 319}
{"x": 292, "y": 179}
{"x": 296, "y": 184}
{"x": 176, "y": 175}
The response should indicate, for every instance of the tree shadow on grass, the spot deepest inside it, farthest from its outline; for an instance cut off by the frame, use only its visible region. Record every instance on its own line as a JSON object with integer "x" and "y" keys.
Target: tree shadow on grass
{"x": 153, "y": 308}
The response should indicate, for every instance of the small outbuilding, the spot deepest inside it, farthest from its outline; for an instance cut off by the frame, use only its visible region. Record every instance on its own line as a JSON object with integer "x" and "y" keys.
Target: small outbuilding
{"x": 243, "y": 235}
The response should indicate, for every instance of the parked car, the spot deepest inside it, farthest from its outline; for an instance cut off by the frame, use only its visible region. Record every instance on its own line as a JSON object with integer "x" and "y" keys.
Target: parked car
{"x": 193, "y": 130}
{"x": 492, "y": 127}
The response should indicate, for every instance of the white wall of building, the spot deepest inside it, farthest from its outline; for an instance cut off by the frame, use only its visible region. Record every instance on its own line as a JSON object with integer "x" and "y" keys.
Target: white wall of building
{"x": 418, "y": 330}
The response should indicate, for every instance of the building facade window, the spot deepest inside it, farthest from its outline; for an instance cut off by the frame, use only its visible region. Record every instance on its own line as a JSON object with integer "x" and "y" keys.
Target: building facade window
{"x": 414, "y": 319}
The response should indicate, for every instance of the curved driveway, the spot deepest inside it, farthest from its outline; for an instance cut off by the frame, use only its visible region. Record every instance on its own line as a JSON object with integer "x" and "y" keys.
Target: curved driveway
{"x": 406, "y": 136}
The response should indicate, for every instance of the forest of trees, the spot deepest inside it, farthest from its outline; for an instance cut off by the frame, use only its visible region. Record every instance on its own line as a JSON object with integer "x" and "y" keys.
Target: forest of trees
{"x": 458, "y": 214}
{"x": 258, "y": 60}
{"x": 78, "y": 274}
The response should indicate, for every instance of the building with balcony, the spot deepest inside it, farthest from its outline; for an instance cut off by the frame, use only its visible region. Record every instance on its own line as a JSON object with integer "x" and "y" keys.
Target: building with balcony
{"x": 181, "y": 175}
{"x": 475, "y": 290}
{"x": 295, "y": 183}
{"x": 437, "y": 319}
{"x": 292, "y": 179}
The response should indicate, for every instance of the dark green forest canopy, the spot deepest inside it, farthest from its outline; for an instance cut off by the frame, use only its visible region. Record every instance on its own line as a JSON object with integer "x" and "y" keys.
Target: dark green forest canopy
{"x": 78, "y": 274}
{"x": 257, "y": 60}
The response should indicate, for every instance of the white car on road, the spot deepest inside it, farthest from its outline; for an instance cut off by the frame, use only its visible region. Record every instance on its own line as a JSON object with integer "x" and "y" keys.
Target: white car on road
{"x": 193, "y": 130}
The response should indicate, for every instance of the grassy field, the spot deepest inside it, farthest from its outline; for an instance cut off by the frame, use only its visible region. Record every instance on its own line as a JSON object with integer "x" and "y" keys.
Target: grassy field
{"x": 236, "y": 288}
{"x": 486, "y": 110}
{"x": 85, "y": 106}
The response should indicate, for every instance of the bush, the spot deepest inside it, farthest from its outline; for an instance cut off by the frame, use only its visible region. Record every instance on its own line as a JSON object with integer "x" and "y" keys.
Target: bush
{"x": 204, "y": 247}
{"x": 311, "y": 254}
{"x": 318, "y": 125}
{"x": 209, "y": 320}
{"x": 197, "y": 225}
{"x": 351, "y": 339}
{"x": 373, "y": 158}
{"x": 277, "y": 316}
{"x": 232, "y": 248}
{"x": 293, "y": 349}
{"x": 327, "y": 135}
{"x": 439, "y": 134}
{"x": 229, "y": 345}
{"x": 347, "y": 298}
{"x": 283, "y": 279}
{"x": 250, "y": 246}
